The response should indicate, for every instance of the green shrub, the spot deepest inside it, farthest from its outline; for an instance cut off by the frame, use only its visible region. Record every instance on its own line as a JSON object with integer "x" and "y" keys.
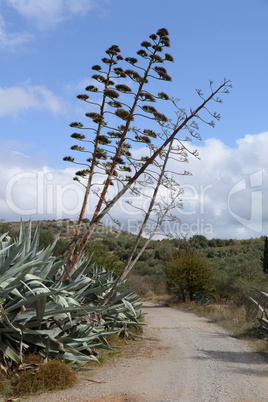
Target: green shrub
{"x": 188, "y": 274}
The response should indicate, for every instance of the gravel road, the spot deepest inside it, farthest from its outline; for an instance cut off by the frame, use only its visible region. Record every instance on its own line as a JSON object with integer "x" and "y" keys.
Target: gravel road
{"x": 183, "y": 358}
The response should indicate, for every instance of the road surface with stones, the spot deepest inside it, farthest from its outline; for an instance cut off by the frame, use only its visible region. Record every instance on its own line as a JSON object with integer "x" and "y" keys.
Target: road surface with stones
{"x": 182, "y": 358}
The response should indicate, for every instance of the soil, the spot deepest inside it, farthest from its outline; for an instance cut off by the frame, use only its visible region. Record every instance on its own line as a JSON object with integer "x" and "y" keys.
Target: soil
{"x": 182, "y": 358}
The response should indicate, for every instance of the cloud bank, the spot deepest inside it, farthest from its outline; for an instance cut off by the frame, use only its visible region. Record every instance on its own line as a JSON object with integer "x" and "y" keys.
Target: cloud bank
{"x": 226, "y": 196}
{"x": 14, "y": 41}
{"x": 23, "y": 97}
{"x": 49, "y": 13}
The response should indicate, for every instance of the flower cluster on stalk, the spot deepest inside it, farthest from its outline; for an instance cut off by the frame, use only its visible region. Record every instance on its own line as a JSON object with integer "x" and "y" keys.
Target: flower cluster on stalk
{"x": 120, "y": 101}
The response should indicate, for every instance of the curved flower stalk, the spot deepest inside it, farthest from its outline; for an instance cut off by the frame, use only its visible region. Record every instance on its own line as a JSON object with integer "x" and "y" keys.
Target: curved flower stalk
{"x": 113, "y": 130}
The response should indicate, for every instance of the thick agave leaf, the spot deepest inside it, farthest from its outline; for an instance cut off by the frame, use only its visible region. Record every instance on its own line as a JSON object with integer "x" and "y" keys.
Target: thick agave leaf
{"x": 35, "y": 242}
{"x": 44, "y": 314}
{"x": 22, "y": 232}
{"x": 5, "y": 265}
{"x": 265, "y": 295}
{"x": 264, "y": 316}
{"x": 2, "y": 239}
{"x": 9, "y": 352}
{"x": 4, "y": 250}
{"x": 129, "y": 307}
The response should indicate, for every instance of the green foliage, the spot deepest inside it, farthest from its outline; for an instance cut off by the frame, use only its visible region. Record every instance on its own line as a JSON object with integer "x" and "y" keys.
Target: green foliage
{"x": 188, "y": 274}
{"x": 235, "y": 274}
{"x": 51, "y": 317}
{"x": 102, "y": 257}
{"x": 237, "y": 263}
{"x": 45, "y": 238}
{"x": 5, "y": 227}
{"x": 265, "y": 256}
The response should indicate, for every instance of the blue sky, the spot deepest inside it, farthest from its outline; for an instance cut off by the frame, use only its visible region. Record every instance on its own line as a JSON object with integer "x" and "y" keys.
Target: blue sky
{"x": 48, "y": 47}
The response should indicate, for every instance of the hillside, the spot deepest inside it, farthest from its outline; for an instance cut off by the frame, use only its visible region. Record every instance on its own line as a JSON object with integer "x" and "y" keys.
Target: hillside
{"x": 110, "y": 247}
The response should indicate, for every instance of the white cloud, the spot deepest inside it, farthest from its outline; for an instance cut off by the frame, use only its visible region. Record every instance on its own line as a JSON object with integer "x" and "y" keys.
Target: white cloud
{"x": 48, "y": 13}
{"x": 225, "y": 197}
{"x": 228, "y": 189}
{"x": 12, "y": 41}
{"x": 16, "y": 99}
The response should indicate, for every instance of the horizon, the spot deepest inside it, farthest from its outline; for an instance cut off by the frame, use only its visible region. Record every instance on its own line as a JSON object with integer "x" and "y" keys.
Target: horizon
{"x": 47, "y": 50}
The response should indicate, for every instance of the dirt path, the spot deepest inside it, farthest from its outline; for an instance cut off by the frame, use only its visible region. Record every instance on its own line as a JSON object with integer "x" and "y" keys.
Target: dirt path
{"x": 183, "y": 358}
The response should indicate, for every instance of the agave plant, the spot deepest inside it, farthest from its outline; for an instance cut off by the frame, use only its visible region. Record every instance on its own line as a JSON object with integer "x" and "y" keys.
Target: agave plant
{"x": 263, "y": 297}
{"x": 43, "y": 314}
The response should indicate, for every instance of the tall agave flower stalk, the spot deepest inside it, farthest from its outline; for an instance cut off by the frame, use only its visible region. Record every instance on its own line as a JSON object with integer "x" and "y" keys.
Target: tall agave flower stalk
{"x": 128, "y": 115}
{"x": 41, "y": 313}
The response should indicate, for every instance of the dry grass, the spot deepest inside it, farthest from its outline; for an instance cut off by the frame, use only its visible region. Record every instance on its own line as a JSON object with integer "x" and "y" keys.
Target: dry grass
{"x": 39, "y": 377}
{"x": 148, "y": 287}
